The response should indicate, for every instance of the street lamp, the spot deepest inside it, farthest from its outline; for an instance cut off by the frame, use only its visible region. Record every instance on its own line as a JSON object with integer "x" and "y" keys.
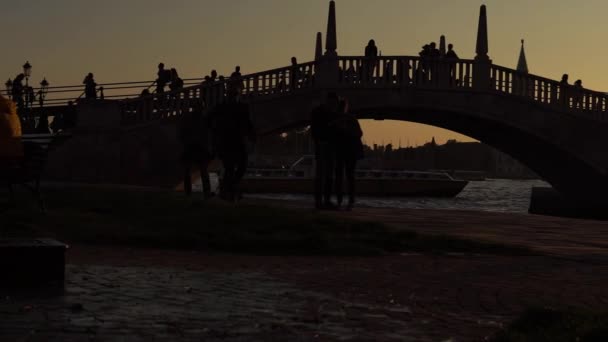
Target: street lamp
{"x": 27, "y": 71}
{"x": 44, "y": 89}
{"x": 9, "y": 88}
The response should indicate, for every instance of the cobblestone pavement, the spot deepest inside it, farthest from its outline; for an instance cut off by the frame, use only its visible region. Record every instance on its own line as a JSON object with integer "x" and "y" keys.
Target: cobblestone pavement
{"x": 192, "y": 296}
{"x": 153, "y": 304}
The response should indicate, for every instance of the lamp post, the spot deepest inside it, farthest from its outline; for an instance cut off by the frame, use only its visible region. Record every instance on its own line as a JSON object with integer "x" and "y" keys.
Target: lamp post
{"x": 9, "y": 88}
{"x": 27, "y": 71}
{"x": 44, "y": 89}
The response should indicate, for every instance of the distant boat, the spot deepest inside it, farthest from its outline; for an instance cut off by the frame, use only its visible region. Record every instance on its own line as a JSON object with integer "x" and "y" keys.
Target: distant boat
{"x": 298, "y": 179}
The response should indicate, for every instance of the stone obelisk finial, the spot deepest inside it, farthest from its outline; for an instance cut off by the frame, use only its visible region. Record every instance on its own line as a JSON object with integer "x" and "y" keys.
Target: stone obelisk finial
{"x": 331, "y": 41}
{"x": 319, "y": 46}
{"x": 442, "y": 47}
{"x": 522, "y": 63}
{"x": 482, "y": 36}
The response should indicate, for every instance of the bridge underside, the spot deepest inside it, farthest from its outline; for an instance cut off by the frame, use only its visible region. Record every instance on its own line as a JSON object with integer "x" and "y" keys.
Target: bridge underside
{"x": 565, "y": 150}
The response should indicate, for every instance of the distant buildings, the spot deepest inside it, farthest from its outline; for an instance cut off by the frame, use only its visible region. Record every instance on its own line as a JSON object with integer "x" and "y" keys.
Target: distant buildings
{"x": 282, "y": 150}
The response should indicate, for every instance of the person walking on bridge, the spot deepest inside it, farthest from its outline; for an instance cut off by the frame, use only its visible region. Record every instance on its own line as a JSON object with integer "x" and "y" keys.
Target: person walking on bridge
{"x": 564, "y": 91}
{"x": 90, "y": 87}
{"x": 371, "y": 61}
{"x": 176, "y": 81}
{"x": 451, "y": 57}
{"x": 164, "y": 76}
{"x": 324, "y": 141}
{"x": 234, "y": 137}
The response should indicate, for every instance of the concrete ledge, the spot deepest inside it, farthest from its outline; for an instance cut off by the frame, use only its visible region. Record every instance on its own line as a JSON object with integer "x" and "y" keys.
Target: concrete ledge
{"x": 547, "y": 201}
{"x": 32, "y": 263}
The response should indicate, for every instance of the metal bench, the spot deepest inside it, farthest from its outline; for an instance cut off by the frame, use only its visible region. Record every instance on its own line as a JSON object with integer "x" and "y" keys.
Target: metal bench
{"x": 28, "y": 171}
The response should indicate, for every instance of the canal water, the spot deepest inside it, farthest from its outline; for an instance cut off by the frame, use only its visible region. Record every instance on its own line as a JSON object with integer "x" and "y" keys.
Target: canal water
{"x": 498, "y": 195}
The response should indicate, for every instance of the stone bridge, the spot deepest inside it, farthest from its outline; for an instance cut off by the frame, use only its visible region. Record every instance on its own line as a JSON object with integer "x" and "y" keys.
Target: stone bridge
{"x": 557, "y": 130}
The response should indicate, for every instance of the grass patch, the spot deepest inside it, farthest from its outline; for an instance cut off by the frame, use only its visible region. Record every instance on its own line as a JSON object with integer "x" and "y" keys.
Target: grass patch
{"x": 170, "y": 220}
{"x": 540, "y": 325}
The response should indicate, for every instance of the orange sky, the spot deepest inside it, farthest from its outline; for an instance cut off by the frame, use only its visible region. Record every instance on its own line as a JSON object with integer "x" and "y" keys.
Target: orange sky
{"x": 122, "y": 40}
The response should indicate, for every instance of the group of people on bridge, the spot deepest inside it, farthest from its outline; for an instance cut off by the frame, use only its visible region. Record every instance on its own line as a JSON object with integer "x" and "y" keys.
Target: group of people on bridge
{"x": 371, "y": 71}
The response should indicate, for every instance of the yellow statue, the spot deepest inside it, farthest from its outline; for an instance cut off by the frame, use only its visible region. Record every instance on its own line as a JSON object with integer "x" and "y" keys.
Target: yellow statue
{"x": 10, "y": 130}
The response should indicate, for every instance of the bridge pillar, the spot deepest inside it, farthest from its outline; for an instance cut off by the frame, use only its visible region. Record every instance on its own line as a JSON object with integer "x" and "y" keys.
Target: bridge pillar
{"x": 327, "y": 71}
{"x": 319, "y": 46}
{"x": 483, "y": 63}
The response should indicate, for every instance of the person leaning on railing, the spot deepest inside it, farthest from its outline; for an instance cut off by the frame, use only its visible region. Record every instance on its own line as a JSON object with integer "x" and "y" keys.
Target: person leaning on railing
{"x": 11, "y": 148}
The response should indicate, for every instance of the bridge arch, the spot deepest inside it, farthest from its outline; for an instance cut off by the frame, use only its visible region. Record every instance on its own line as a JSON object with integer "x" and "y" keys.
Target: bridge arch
{"x": 554, "y": 164}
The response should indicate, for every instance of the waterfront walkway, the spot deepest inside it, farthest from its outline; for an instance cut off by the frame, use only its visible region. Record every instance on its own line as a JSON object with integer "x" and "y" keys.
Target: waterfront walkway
{"x": 157, "y": 295}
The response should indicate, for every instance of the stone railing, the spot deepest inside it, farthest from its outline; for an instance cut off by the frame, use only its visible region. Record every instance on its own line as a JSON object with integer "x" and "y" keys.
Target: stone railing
{"x": 276, "y": 82}
{"x": 399, "y": 71}
{"x": 539, "y": 89}
{"x": 378, "y": 72}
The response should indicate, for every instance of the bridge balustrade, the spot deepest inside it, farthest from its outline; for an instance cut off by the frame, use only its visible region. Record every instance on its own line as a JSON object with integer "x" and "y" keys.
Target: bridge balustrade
{"x": 539, "y": 89}
{"x": 400, "y": 71}
{"x": 276, "y": 82}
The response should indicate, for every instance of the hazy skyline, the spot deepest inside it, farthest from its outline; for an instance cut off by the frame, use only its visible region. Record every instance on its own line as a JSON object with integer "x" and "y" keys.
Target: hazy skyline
{"x": 124, "y": 41}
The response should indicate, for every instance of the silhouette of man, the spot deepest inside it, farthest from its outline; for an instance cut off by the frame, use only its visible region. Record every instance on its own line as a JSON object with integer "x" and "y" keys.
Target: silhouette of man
{"x": 578, "y": 94}
{"x": 90, "y": 87}
{"x": 236, "y": 80}
{"x": 233, "y": 137}
{"x": 451, "y": 57}
{"x": 349, "y": 149}
{"x": 164, "y": 76}
{"x": 194, "y": 135}
{"x": 324, "y": 140}
{"x": 564, "y": 90}
{"x": 295, "y": 76}
{"x": 451, "y": 54}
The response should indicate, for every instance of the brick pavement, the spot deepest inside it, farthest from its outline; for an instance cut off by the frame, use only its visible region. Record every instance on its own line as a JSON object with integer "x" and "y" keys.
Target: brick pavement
{"x": 105, "y": 303}
{"x": 158, "y": 295}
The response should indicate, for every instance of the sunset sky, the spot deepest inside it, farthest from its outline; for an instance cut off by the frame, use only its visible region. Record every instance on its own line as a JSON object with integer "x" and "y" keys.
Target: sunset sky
{"x": 122, "y": 40}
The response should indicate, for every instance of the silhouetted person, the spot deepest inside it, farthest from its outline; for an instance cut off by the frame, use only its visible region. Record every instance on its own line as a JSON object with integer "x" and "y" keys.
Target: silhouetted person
{"x": 423, "y": 71}
{"x": 233, "y": 135}
{"x": 564, "y": 89}
{"x": 324, "y": 141}
{"x": 434, "y": 51}
{"x": 451, "y": 54}
{"x": 176, "y": 81}
{"x": 213, "y": 75}
{"x": 451, "y": 57}
{"x": 433, "y": 66}
{"x": 578, "y": 94}
{"x": 236, "y": 79}
{"x": 164, "y": 77}
{"x": 295, "y": 75}
{"x": 194, "y": 136}
{"x": 17, "y": 91}
{"x": 349, "y": 149}
{"x": 90, "y": 87}
{"x": 371, "y": 55}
